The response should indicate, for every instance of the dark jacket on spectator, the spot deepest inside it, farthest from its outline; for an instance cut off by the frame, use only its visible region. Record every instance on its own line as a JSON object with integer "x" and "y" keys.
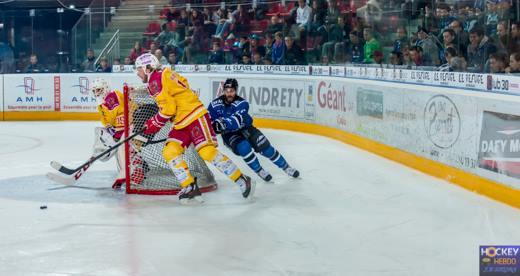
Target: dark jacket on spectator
{"x": 355, "y": 52}
{"x": 294, "y": 55}
{"x": 217, "y": 57}
{"x": 477, "y": 57}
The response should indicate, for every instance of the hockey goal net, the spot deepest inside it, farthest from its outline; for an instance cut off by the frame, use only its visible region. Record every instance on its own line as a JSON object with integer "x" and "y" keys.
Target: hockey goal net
{"x": 145, "y": 169}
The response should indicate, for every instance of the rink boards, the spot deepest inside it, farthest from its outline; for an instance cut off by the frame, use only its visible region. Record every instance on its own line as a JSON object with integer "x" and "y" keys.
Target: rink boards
{"x": 464, "y": 132}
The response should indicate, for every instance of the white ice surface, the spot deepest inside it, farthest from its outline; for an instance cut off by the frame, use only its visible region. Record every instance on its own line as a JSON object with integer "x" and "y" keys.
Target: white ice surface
{"x": 351, "y": 213}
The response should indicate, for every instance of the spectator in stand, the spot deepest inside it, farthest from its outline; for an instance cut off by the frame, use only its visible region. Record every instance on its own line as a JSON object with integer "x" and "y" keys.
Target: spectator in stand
{"x": 278, "y": 51}
{"x": 355, "y": 48}
{"x": 324, "y": 61}
{"x": 370, "y": 46}
{"x": 479, "y": 49}
{"x": 303, "y": 20}
{"x": 378, "y": 57}
{"x": 172, "y": 14}
{"x": 243, "y": 20}
{"x": 216, "y": 55}
{"x": 514, "y": 64}
{"x": 461, "y": 37}
{"x": 402, "y": 39}
{"x": 257, "y": 59}
{"x": 497, "y": 63}
{"x": 210, "y": 20}
{"x": 407, "y": 60}
{"x": 88, "y": 64}
{"x": 34, "y": 66}
{"x": 318, "y": 14}
{"x": 243, "y": 48}
{"x": 492, "y": 18}
{"x": 396, "y": 58}
{"x": 255, "y": 47}
{"x": 443, "y": 17}
{"x": 172, "y": 59}
{"x": 103, "y": 66}
{"x": 226, "y": 20}
{"x": 293, "y": 53}
{"x": 117, "y": 61}
{"x": 448, "y": 38}
{"x": 336, "y": 37}
{"x": 268, "y": 45}
{"x": 136, "y": 51}
{"x": 246, "y": 60}
{"x": 514, "y": 42}
{"x": 449, "y": 53}
{"x": 268, "y": 61}
{"x": 275, "y": 25}
{"x": 183, "y": 23}
{"x": 6, "y": 58}
{"x": 501, "y": 38}
{"x": 430, "y": 51}
{"x": 128, "y": 61}
{"x": 260, "y": 10}
{"x": 153, "y": 48}
{"x": 458, "y": 64}
{"x": 167, "y": 39}
{"x": 417, "y": 58}
{"x": 332, "y": 12}
{"x": 159, "y": 55}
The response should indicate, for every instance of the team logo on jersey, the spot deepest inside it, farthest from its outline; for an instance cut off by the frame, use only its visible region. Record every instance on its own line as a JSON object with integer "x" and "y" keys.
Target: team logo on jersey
{"x": 154, "y": 87}
{"x": 29, "y": 85}
{"x": 196, "y": 132}
{"x": 83, "y": 85}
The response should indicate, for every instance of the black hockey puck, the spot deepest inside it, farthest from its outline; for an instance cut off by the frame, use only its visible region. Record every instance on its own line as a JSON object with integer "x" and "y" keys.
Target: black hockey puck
{"x": 43, "y": 207}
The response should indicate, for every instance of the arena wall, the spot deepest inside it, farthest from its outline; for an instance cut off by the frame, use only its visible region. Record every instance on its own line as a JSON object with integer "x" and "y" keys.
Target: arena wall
{"x": 461, "y": 127}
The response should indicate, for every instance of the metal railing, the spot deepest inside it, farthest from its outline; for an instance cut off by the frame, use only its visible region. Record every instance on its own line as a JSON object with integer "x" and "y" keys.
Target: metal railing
{"x": 94, "y": 20}
{"x": 111, "y": 50}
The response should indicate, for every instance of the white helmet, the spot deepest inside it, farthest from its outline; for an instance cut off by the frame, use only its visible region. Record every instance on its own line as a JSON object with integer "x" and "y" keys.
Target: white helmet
{"x": 147, "y": 61}
{"x": 100, "y": 89}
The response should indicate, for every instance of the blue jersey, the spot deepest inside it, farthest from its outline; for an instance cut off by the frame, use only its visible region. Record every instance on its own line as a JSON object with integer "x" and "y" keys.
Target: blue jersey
{"x": 235, "y": 115}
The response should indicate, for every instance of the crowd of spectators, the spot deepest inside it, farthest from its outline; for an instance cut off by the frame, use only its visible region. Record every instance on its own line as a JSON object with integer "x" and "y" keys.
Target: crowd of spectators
{"x": 477, "y": 36}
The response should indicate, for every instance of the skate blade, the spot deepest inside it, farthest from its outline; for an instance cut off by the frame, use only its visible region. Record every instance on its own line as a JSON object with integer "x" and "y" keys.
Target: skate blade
{"x": 251, "y": 192}
{"x": 192, "y": 201}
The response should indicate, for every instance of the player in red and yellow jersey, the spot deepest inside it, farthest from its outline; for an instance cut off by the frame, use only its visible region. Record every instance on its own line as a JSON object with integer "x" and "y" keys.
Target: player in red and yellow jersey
{"x": 190, "y": 124}
{"x": 111, "y": 110}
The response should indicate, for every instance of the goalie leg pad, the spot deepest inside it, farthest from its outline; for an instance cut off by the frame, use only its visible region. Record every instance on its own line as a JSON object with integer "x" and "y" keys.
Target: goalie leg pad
{"x": 103, "y": 140}
{"x": 220, "y": 161}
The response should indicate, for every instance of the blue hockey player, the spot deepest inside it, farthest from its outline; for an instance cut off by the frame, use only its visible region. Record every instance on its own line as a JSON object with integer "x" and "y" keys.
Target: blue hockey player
{"x": 229, "y": 116}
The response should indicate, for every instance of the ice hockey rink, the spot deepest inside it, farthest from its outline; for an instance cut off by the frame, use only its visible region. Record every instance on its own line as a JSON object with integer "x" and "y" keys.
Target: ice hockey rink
{"x": 350, "y": 213}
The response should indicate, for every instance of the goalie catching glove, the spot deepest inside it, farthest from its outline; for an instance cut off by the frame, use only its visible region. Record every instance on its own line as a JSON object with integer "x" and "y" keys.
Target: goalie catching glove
{"x": 154, "y": 124}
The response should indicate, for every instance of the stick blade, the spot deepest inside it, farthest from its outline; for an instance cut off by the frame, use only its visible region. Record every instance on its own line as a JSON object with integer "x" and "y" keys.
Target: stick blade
{"x": 61, "y": 179}
{"x": 58, "y": 166}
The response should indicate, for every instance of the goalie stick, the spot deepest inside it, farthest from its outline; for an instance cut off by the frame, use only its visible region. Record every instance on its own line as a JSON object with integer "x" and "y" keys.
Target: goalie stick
{"x": 83, "y": 167}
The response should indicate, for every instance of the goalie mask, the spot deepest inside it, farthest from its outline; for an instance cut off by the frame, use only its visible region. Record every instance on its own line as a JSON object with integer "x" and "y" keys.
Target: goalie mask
{"x": 145, "y": 65}
{"x": 100, "y": 89}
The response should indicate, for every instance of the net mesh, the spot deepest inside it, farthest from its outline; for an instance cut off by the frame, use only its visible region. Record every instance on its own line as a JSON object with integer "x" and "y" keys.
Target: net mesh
{"x": 148, "y": 172}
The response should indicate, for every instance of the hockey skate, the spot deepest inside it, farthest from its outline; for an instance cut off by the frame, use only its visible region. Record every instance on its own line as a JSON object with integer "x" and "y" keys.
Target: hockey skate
{"x": 292, "y": 172}
{"x": 265, "y": 175}
{"x": 190, "y": 193}
{"x": 247, "y": 187}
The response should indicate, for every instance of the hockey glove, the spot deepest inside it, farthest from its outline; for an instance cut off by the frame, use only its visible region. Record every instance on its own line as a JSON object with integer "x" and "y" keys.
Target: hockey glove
{"x": 154, "y": 124}
{"x": 218, "y": 126}
{"x": 116, "y": 134}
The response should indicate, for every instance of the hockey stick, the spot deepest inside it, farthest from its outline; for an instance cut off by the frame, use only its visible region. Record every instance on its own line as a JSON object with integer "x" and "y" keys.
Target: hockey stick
{"x": 82, "y": 168}
{"x": 63, "y": 178}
